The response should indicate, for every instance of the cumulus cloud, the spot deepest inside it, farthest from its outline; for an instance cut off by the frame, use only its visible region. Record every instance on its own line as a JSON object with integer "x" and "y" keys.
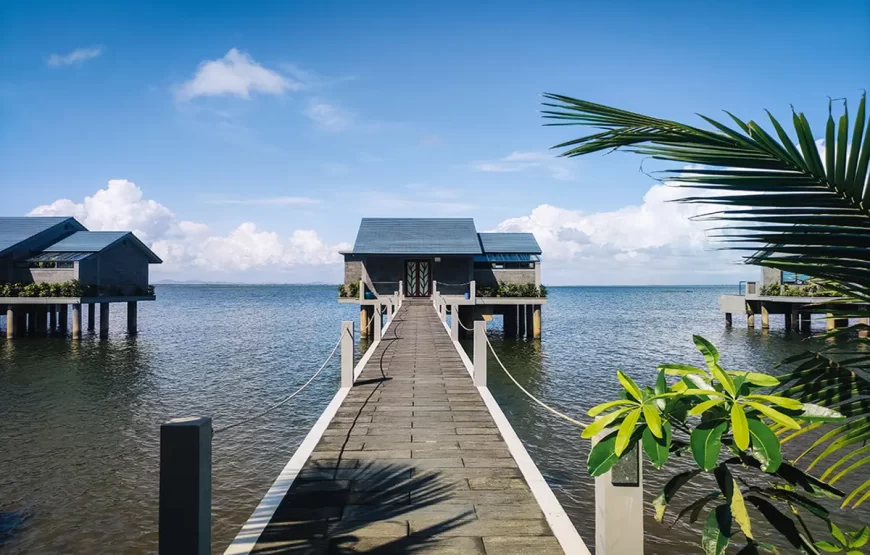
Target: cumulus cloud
{"x": 235, "y": 74}
{"x": 77, "y": 56}
{"x": 558, "y": 168}
{"x": 653, "y": 242}
{"x": 192, "y": 249}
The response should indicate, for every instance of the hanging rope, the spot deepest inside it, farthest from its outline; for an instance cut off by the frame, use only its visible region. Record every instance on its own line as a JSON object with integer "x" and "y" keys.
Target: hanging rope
{"x": 529, "y": 395}
{"x": 282, "y": 402}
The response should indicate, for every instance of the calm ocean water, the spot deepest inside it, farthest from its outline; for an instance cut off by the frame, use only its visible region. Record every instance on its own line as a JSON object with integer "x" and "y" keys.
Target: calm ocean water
{"x": 79, "y": 421}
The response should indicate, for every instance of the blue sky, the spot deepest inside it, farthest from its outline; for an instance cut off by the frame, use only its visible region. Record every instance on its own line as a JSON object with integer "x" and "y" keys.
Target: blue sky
{"x": 245, "y": 140}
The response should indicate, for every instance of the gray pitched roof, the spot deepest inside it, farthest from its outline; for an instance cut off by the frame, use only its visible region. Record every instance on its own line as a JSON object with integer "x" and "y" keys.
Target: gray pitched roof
{"x": 417, "y": 236}
{"x": 524, "y": 243}
{"x": 96, "y": 241}
{"x": 16, "y": 230}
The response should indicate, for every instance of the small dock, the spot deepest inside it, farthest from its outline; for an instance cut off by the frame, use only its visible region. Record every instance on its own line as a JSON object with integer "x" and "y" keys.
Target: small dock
{"x": 414, "y": 459}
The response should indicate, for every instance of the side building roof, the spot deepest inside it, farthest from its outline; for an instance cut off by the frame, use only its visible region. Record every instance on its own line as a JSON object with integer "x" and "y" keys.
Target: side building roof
{"x": 15, "y": 231}
{"x": 509, "y": 243}
{"x": 92, "y": 242}
{"x": 417, "y": 236}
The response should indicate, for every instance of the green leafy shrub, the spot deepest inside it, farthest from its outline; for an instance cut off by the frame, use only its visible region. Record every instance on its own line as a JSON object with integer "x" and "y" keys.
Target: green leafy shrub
{"x": 512, "y": 290}
{"x": 785, "y": 290}
{"x": 72, "y": 288}
{"x": 349, "y": 291}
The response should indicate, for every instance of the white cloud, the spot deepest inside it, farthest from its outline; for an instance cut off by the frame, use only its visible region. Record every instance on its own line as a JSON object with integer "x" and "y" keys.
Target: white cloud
{"x": 192, "y": 249}
{"x": 328, "y": 117}
{"x": 235, "y": 74}
{"x": 268, "y": 201}
{"x": 77, "y": 56}
{"x": 558, "y": 168}
{"x": 652, "y": 243}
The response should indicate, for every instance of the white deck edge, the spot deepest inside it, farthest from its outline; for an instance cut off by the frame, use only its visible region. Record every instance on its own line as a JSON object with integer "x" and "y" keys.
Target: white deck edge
{"x": 250, "y": 533}
{"x": 564, "y": 531}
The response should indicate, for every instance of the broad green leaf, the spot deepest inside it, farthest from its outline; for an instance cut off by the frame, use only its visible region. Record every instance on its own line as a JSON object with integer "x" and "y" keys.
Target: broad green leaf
{"x": 838, "y": 534}
{"x": 765, "y": 445}
{"x": 653, "y": 419}
{"x": 775, "y": 415}
{"x": 706, "y": 443}
{"x": 739, "y": 512}
{"x": 598, "y": 409}
{"x": 657, "y": 449}
{"x": 818, "y": 413}
{"x": 704, "y": 392}
{"x": 724, "y": 379}
{"x": 602, "y": 456}
{"x": 602, "y": 422}
{"x": 661, "y": 383}
{"x": 717, "y": 531}
{"x": 739, "y": 427}
{"x": 674, "y": 369}
{"x": 828, "y": 546}
{"x": 711, "y": 355}
{"x": 626, "y": 429}
{"x": 629, "y": 385}
{"x": 759, "y": 379}
{"x": 705, "y": 406}
{"x": 860, "y": 537}
{"x": 697, "y": 382}
{"x": 784, "y": 402}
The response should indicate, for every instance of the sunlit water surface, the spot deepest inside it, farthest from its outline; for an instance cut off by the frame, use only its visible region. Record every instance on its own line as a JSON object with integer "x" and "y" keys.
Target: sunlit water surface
{"x": 79, "y": 421}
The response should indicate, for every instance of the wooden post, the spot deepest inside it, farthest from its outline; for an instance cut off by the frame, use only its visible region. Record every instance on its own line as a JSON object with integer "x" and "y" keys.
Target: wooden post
{"x": 728, "y": 321}
{"x": 480, "y": 353}
{"x": 765, "y": 318}
{"x": 378, "y": 322}
{"x": 619, "y": 507}
{"x": 76, "y": 321}
{"x": 829, "y": 321}
{"x": 11, "y": 322}
{"x": 184, "y": 513}
{"x": 104, "y": 320}
{"x": 347, "y": 354}
{"x": 861, "y": 333}
{"x": 63, "y": 318}
{"x": 92, "y": 316}
{"x": 530, "y": 323}
{"x": 806, "y": 321}
{"x": 536, "y": 320}
{"x": 132, "y": 317}
{"x": 788, "y": 325}
{"x": 363, "y": 322}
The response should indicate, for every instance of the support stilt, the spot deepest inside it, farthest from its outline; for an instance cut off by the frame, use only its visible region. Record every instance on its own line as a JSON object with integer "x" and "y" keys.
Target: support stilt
{"x": 132, "y": 318}
{"x": 765, "y": 318}
{"x": 536, "y": 320}
{"x": 41, "y": 315}
{"x": 750, "y": 320}
{"x": 510, "y": 322}
{"x": 806, "y": 322}
{"x": 20, "y": 321}
{"x": 52, "y": 318}
{"x": 104, "y": 320}
{"x": 92, "y": 316}
{"x": 63, "y": 318}
{"x": 76, "y": 321}
{"x": 728, "y": 322}
{"x": 788, "y": 326}
{"x": 866, "y": 322}
{"x": 530, "y": 324}
{"x": 11, "y": 322}
{"x": 521, "y": 320}
{"x": 829, "y": 322}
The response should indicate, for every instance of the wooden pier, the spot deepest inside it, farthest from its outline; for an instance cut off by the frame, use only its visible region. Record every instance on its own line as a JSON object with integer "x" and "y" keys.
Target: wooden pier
{"x": 413, "y": 458}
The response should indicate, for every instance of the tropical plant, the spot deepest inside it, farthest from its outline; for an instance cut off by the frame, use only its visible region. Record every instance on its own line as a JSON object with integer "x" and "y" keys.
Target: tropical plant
{"x": 511, "y": 290}
{"x": 790, "y": 207}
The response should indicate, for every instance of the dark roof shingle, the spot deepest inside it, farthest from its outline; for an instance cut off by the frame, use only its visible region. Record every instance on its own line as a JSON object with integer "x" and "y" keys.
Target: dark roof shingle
{"x": 417, "y": 236}
{"x": 524, "y": 243}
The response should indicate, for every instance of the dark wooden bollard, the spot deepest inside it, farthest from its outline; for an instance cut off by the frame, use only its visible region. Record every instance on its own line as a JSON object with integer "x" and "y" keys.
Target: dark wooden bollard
{"x": 185, "y": 487}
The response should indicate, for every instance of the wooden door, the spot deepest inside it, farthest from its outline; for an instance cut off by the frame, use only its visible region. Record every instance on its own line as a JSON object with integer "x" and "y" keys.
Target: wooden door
{"x": 418, "y": 278}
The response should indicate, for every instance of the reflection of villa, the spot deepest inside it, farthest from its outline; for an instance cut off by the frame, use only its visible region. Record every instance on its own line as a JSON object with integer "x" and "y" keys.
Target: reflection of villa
{"x": 48, "y": 264}
{"x": 481, "y": 273}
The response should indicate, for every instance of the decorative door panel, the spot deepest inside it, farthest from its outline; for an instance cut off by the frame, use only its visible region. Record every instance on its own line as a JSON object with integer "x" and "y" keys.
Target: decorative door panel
{"x": 418, "y": 278}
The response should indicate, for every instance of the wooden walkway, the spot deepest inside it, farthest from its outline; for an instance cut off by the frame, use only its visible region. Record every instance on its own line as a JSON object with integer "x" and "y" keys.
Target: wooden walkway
{"x": 411, "y": 463}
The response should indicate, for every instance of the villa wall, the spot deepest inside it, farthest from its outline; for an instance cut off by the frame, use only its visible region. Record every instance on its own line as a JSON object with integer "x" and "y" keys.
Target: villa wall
{"x": 769, "y": 275}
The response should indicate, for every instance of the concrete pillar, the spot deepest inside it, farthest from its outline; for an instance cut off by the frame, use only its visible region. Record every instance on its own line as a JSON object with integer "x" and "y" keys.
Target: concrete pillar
{"x": 104, "y": 320}
{"x": 52, "y": 318}
{"x": 63, "y": 318}
{"x": 454, "y": 323}
{"x": 788, "y": 326}
{"x": 536, "y": 320}
{"x": 363, "y": 322}
{"x": 866, "y": 322}
{"x": 434, "y": 288}
{"x": 521, "y": 320}
{"x": 530, "y": 323}
{"x": 11, "y": 322}
{"x": 347, "y": 354}
{"x": 184, "y": 513}
{"x": 480, "y": 353}
{"x": 510, "y": 321}
{"x": 472, "y": 290}
{"x": 806, "y": 321}
{"x": 830, "y": 322}
{"x": 76, "y": 321}
{"x": 132, "y": 317}
{"x": 362, "y": 290}
{"x": 728, "y": 321}
{"x": 765, "y": 318}
{"x": 41, "y": 315}
{"x": 378, "y": 327}
{"x": 31, "y": 320}
{"x": 619, "y": 507}
{"x": 92, "y": 316}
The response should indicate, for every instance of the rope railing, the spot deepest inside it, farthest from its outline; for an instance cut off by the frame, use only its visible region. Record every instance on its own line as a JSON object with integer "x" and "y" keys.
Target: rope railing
{"x": 529, "y": 395}
{"x": 286, "y": 399}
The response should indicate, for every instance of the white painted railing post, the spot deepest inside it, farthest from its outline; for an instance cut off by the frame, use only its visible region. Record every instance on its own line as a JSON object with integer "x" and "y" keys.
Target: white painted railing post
{"x": 378, "y": 322}
{"x": 401, "y": 291}
{"x": 347, "y": 354}
{"x": 362, "y": 290}
{"x": 472, "y": 289}
{"x": 454, "y": 322}
{"x": 619, "y": 506}
{"x": 184, "y": 511}
{"x": 434, "y": 288}
{"x": 480, "y": 353}
{"x": 443, "y": 311}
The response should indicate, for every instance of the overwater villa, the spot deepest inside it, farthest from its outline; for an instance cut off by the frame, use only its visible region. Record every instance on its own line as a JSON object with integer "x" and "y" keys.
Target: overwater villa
{"x": 481, "y": 274}
{"x": 48, "y": 264}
